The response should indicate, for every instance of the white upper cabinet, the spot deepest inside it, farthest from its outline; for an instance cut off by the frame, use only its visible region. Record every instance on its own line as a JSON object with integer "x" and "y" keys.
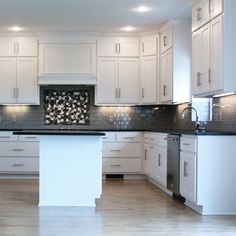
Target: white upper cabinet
{"x": 149, "y": 79}
{"x": 113, "y": 47}
{"x": 205, "y": 11}
{"x": 216, "y": 8}
{"x": 27, "y": 87}
{"x": 118, "y": 81}
{"x": 149, "y": 69}
{"x": 18, "y": 78}
{"x": 128, "y": 81}
{"x": 166, "y": 39}
{"x": 18, "y": 70}
{"x": 67, "y": 59}
{"x": 149, "y": 46}
{"x": 18, "y": 46}
{"x": 213, "y": 54}
{"x": 175, "y": 62}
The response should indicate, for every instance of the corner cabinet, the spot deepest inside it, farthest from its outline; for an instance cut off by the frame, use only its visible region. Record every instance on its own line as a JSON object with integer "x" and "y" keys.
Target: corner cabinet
{"x": 18, "y": 71}
{"x": 213, "y": 54}
{"x": 149, "y": 70}
{"x": 175, "y": 62}
{"x": 117, "y": 71}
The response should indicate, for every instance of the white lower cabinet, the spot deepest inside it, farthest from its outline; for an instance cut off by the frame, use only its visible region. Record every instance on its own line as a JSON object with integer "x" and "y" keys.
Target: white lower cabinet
{"x": 122, "y": 153}
{"x": 19, "y": 154}
{"x": 188, "y": 175}
{"x": 207, "y": 188}
{"x": 155, "y": 157}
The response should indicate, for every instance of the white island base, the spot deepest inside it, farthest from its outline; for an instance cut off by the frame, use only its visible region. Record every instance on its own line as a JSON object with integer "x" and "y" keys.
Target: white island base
{"x": 70, "y": 170}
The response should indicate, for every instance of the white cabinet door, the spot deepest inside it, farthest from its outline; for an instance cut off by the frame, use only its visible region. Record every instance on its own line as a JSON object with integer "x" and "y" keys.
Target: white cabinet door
{"x": 7, "y": 80}
{"x": 7, "y": 47}
{"x": 149, "y": 46}
{"x": 188, "y": 176}
{"x": 123, "y": 47}
{"x": 201, "y": 14}
{"x": 166, "y": 79}
{"x": 81, "y": 59}
{"x": 216, "y": 8}
{"x": 149, "y": 79}
{"x": 106, "y": 89}
{"x": 53, "y": 59}
{"x": 128, "y": 81}
{"x": 28, "y": 91}
{"x": 162, "y": 165}
{"x": 107, "y": 47}
{"x": 201, "y": 61}
{"x": 27, "y": 47}
{"x": 128, "y": 47}
{"x": 215, "y": 76}
{"x": 166, "y": 40}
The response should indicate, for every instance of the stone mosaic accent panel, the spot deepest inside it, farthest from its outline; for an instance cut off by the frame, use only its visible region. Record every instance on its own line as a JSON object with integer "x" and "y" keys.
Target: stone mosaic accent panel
{"x": 66, "y": 107}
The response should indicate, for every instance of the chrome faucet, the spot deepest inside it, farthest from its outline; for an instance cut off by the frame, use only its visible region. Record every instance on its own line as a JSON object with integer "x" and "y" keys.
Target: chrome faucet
{"x": 198, "y": 126}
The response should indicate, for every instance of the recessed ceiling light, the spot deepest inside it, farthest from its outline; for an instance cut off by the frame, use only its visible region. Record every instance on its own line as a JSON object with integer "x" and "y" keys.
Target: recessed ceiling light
{"x": 128, "y": 28}
{"x": 16, "y": 28}
{"x": 142, "y": 9}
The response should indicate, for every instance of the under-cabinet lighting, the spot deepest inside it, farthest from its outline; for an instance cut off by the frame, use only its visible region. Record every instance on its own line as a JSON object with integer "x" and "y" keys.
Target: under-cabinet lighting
{"x": 16, "y": 28}
{"x": 223, "y": 95}
{"x": 142, "y": 9}
{"x": 128, "y": 28}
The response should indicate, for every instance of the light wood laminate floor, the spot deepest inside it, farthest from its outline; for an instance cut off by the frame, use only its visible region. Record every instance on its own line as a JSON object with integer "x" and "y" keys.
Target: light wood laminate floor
{"x": 126, "y": 208}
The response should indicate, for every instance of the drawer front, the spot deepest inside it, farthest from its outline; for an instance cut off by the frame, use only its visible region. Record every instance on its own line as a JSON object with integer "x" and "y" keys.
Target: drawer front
{"x": 132, "y": 137}
{"x": 19, "y": 149}
{"x": 110, "y": 137}
{"x": 8, "y": 136}
{"x": 121, "y": 165}
{"x": 188, "y": 144}
{"x": 150, "y": 138}
{"x": 121, "y": 150}
{"x": 29, "y": 138}
{"x": 161, "y": 139}
{"x": 19, "y": 164}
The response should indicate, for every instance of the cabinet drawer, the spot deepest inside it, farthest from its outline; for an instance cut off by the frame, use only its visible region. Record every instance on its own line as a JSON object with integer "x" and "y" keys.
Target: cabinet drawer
{"x": 8, "y": 136}
{"x": 121, "y": 150}
{"x": 19, "y": 164}
{"x": 110, "y": 137}
{"x": 28, "y": 138}
{"x": 19, "y": 149}
{"x": 188, "y": 144}
{"x": 131, "y": 137}
{"x": 161, "y": 139}
{"x": 121, "y": 165}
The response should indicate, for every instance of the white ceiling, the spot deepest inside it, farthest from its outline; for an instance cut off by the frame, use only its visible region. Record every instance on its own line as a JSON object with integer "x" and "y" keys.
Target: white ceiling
{"x": 89, "y": 15}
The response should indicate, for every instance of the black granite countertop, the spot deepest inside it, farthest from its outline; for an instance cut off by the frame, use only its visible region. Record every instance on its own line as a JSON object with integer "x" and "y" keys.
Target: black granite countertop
{"x": 101, "y": 131}
{"x": 58, "y": 132}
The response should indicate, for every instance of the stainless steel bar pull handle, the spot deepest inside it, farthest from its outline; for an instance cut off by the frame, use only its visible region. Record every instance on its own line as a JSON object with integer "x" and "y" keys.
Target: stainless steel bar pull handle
{"x": 199, "y": 79}
{"x": 199, "y": 14}
{"x": 142, "y": 92}
{"x": 31, "y": 137}
{"x": 209, "y": 75}
{"x": 4, "y": 136}
{"x": 128, "y": 137}
{"x": 164, "y": 90}
{"x": 116, "y": 49}
{"x": 165, "y": 40}
{"x": 159, "y": 159}
{"x": 17, "y": 165}
{"x": 185, "y": 169}
{"x": 119, "y": 92}
{"x": 115, "y": 165}
{"x": 119, "y": 48}
{"x": 115, "y": 150}
{"x": 116, "y": 92}
{"x": 143, "y": 47}
{"x": 186, "y": 144}
{"x": 18, "y": 149}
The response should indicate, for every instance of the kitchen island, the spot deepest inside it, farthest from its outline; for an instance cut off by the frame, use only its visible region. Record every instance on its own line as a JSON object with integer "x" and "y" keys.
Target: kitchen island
{"x": 70, "y": 172}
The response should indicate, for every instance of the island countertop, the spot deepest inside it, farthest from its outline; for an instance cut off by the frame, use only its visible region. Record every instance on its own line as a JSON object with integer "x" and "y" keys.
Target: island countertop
{"x": 58, "y": 132}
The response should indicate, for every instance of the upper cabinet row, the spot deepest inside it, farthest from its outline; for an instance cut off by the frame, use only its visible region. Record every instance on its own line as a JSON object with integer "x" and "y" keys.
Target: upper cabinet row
{"x": 213, "y": 51}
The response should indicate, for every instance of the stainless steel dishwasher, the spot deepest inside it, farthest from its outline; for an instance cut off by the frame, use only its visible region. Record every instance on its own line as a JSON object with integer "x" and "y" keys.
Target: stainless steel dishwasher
{"x": 173, "y": 162}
